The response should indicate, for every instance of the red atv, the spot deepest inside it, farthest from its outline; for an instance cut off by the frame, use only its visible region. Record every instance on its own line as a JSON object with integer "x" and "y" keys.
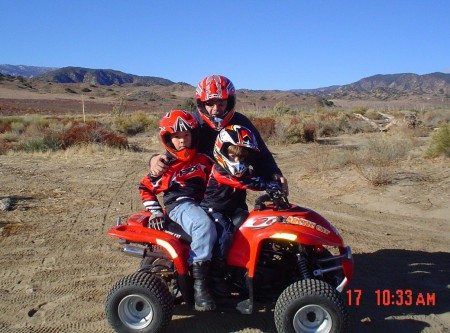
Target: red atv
{"x": 281, "y": 252}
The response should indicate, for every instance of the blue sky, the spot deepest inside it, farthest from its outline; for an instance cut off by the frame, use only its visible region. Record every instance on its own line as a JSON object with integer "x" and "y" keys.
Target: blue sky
{"x": 283, "y": 44}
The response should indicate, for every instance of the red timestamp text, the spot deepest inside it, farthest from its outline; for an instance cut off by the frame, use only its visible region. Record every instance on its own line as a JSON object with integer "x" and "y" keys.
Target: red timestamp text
{"x": 398, "y": 297}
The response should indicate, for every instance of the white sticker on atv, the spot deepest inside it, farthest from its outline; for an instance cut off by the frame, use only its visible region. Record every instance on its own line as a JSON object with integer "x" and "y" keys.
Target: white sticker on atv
{"x": 260, "y": 222}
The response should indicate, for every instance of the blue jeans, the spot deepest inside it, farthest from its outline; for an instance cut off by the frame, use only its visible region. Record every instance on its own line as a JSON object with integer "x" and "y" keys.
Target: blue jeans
{"x": 196, "y": 223}
{"x": 225, "y": 230}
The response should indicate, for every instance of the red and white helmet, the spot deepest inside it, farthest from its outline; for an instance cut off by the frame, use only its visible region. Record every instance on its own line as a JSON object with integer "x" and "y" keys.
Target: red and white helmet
{"x": 178, "y": 121}
{"x": 238, "y": 136}
{"x": 216, "y": 87}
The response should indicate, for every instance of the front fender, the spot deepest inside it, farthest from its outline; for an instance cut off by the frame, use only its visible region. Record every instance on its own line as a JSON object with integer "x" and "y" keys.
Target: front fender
{"x": 247, "y": 244}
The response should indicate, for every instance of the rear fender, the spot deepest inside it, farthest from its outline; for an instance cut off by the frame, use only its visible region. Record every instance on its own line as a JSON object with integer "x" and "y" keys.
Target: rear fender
{"x": 139, "y": 234}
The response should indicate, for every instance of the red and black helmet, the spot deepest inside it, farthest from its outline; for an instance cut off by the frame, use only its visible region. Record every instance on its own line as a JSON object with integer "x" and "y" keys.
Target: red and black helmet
{"x": 216, "y": 87}
{"x": 238, "y": 136}
{"x": 178, "y": 121}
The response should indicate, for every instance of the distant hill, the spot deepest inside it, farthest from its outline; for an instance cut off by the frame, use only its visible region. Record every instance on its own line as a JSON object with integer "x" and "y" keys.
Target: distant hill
{"x": 316, "y": 91}
{"x": 104, "y": 77}
{"x": 428, "y": 83}
{"x": 25, "y": 71}
{"x": 384, "y": 87}
{"x": 388, "y": 85}
{"x": 380, "y": 87}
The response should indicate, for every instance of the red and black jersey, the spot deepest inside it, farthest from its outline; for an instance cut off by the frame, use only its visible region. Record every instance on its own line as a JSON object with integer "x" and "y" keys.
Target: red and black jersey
{"x": 182, "y": 181}
{"x": 225, "y": 193}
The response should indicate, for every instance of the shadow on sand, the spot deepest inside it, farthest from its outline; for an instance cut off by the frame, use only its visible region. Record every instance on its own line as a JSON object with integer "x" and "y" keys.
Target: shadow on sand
{"x": 423, "y": 273}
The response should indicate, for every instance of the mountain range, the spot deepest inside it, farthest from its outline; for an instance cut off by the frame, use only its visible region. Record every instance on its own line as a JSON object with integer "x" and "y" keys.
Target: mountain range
{"x": 378, "y": 85}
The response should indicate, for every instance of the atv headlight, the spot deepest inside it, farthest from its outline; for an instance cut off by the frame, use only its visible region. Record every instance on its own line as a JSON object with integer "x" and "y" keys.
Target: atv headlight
{"x": 284, "y": 235}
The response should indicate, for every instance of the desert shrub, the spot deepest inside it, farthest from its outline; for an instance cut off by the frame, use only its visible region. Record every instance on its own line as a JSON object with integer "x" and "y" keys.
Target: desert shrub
{"x": 295, "y": 133}
{"x": 6, "y": 121}
{"x": 120, "y": 106}
{"x": 376, "y": 158}
{"x": 439, "y": 142}
{"x": 49, "y": 142}
{"x": 10, "y": 137}
{"x": 18, "y": 127}
{"x": 360, "y": 110}
{"x": 324, "y": 157}
{"x": 433, "y": 118}
{"x": 187, "y": 105}
{"x": 71, "y": 91}
{"x": 281, "y": 108}
{"x": 372, "y": 114}
{"x": 92, "y": 132}
{"x": 265, "y": 126}
{"x": 5, "y": 127}
{"x": 333, "y": 123}
{"x": 132, "y": 124}
{"x": 3, "y": 146}
{"x": 33, "y": 130}
{"x": 293, "y": 129}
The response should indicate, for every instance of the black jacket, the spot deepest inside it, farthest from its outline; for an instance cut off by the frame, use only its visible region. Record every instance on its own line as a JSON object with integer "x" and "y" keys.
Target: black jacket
{"x": 264, "y": 164}
{"x": 225, "y": 193}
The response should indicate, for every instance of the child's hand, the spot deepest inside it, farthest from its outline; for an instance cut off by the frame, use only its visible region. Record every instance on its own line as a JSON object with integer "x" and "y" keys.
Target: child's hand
{"x": 256, "y": 183}
{"x": 157, "y": 220}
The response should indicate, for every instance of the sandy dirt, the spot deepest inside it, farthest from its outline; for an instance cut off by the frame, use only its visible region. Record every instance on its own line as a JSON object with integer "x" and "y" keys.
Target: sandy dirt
{"x": 57, "y": 262}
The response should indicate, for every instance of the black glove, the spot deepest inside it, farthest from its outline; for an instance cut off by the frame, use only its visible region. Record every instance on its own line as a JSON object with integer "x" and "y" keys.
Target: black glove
{"x": 273, "y": 186}
{"x": 256, "y": 183}
{"x": 157, "y": 220}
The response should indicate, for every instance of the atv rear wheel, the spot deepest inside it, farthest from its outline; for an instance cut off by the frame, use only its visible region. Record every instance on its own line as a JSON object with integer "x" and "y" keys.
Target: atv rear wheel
{"x": 139, "y": 302}
{"x": 310, "y": 306}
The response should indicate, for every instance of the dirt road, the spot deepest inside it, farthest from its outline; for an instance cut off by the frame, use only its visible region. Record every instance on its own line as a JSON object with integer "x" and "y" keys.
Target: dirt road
{"x": 57, "y": 263}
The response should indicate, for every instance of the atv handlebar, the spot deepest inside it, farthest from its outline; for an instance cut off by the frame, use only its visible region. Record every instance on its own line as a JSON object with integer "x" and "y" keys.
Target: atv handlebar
{"x": 274, "y": 193}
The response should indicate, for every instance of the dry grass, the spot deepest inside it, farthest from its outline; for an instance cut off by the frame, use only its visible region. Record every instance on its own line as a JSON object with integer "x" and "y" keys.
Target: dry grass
{"x": 380, "y": 155}
{"x": 440, "y": 142}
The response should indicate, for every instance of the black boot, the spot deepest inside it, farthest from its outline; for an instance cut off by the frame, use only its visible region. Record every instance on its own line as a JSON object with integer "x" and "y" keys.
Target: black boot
{"x": 202, "y": 297}
{"x": 219, "y": 286}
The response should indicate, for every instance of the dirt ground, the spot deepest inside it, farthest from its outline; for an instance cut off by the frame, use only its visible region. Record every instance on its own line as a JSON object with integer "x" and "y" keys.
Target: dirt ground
{"x": 57, "y": 262}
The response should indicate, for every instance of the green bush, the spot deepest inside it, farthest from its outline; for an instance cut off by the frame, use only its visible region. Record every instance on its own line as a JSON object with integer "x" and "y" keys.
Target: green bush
{"x": 50, "y": 142}
{"x": 188, "y": 105}
{"x": 439, "y": 142}
{"x": 133, "y": 124}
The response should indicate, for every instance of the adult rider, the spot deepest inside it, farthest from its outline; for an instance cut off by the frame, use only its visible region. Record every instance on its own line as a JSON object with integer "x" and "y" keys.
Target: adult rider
{"x": 216, "y": 100}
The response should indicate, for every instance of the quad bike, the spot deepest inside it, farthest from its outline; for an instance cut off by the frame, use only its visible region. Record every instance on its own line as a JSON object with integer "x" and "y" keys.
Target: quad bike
{"x": 281, "y": 252}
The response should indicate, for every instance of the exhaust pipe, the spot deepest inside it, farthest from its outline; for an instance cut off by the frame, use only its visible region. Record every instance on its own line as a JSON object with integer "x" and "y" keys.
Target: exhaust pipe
{"x": 134, "y": 251}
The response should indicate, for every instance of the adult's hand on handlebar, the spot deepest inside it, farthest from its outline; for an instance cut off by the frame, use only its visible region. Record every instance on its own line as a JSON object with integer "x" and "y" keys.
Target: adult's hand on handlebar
{"x": 158, "y": 165}
{"x": 284, "y": 183}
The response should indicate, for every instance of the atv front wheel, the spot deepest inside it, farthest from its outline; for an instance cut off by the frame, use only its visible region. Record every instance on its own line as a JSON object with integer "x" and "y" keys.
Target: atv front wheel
{"x": 140, "y": 302}
{"x": 310, "y": 306}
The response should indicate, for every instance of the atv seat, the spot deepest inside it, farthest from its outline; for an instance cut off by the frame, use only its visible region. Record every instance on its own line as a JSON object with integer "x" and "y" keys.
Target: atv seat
{"x": 239, "y": 217}
{"x": 171, "y": 227}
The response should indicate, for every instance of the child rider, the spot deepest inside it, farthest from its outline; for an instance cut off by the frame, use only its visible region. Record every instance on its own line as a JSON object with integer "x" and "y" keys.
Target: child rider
{"x": 183, "y": 186}
{"x": 225, "y": 196}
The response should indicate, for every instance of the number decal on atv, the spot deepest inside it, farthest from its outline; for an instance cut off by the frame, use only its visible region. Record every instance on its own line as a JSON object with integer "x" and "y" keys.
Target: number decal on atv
{"x": 260, "y": 222}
